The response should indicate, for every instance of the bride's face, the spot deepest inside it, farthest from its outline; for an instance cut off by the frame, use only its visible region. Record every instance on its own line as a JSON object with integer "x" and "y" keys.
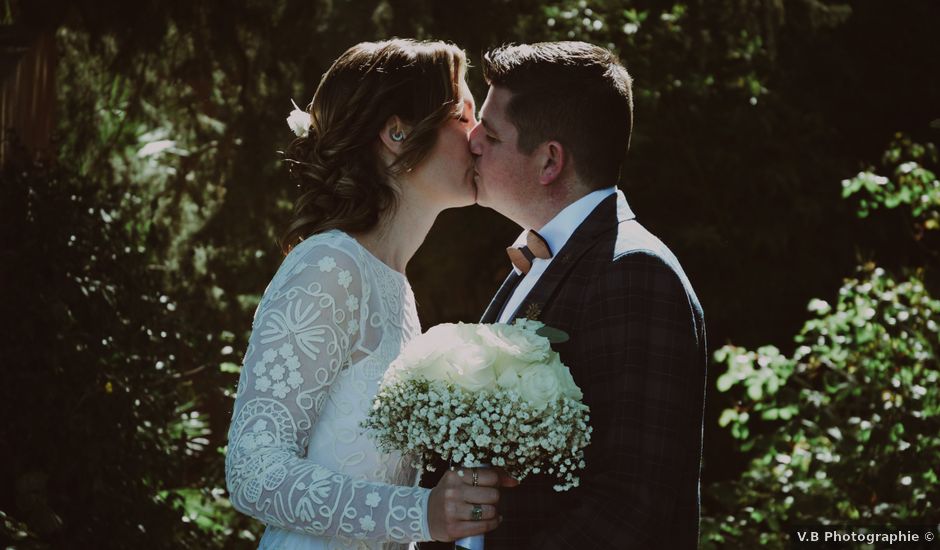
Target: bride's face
{"x": 445, "y": 177}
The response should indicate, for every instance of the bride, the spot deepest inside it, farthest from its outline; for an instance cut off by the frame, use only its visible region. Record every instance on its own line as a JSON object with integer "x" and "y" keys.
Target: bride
{"x": 385, "y": 152}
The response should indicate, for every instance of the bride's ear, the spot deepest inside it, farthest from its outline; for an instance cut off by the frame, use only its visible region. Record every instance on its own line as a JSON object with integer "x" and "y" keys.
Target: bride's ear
{"x": 393, "y": 135}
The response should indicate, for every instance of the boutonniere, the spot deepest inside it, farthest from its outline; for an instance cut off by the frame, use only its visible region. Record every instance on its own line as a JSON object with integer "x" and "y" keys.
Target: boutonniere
{"x": 533, "y": 311}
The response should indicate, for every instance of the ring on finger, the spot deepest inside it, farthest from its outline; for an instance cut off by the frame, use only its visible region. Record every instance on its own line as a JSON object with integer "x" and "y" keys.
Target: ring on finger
{"x": 476, "y": 476}
{"x": 476, "y": 513}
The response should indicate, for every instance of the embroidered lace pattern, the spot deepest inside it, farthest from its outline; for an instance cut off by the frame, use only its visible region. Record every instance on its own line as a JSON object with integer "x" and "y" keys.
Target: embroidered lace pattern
{"x": 327, "y": 327}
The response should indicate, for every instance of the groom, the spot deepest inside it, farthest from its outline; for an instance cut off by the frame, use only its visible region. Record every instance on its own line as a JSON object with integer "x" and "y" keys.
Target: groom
{"x": 553, "y": 134}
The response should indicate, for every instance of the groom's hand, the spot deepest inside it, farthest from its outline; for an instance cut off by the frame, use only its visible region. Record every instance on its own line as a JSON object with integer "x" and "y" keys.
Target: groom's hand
{"x": 452, "y": 503}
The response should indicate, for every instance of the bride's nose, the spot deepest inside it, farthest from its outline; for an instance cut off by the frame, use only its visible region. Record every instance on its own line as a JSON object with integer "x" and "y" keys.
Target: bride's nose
{"x": 476, "y": 146}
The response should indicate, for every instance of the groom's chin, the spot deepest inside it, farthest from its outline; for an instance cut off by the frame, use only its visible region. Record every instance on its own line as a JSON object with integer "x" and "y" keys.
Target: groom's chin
{"x": 481, "y": 200}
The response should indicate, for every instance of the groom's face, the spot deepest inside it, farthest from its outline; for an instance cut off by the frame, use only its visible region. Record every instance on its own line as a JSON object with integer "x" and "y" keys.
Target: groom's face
{"x": 502, "y": 172}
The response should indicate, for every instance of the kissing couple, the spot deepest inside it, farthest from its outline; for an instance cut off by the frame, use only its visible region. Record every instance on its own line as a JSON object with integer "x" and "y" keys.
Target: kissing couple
{"x": 391, "y": 139}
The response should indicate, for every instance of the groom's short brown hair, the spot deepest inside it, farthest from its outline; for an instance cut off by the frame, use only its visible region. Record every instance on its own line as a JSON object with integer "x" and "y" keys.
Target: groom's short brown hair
{"x": 573, "y": 92}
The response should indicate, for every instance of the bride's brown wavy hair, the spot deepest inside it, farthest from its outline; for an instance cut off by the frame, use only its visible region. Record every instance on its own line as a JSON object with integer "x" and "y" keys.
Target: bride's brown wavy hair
{"x": 344, "y": 183}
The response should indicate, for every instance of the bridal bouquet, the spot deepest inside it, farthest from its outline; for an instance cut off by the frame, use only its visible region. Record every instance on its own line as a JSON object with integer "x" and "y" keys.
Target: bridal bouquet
{"x": 474, "y": 394}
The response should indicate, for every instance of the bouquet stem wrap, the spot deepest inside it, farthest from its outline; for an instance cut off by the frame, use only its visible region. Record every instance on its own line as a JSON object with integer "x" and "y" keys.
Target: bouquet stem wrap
{"x": 476, "y": 542}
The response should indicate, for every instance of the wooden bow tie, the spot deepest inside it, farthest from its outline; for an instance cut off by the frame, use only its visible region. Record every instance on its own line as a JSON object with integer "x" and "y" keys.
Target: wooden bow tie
{"x": 535, "y": 247}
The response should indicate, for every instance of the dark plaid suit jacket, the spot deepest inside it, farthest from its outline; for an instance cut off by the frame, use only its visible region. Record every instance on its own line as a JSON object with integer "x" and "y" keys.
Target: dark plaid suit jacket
{"x": 637, "y": 350}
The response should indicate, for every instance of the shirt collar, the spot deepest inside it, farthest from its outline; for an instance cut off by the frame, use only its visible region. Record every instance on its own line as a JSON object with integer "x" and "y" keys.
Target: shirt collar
{"x": 560, "y": 228}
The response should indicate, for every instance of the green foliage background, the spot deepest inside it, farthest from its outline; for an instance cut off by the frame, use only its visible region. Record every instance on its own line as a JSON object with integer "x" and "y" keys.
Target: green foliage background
{"x": 132, "y": 265}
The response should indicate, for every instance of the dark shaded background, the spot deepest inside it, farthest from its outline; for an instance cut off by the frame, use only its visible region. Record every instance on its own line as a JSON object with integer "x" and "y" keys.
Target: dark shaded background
{"x": 748, "y": 115}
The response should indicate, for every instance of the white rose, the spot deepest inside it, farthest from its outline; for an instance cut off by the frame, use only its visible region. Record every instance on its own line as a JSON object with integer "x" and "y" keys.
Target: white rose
{"x": 432, "y": 368}
{"x": 508, "y": 363}
{"x": 509, "y": 379}
{"x": 432, "y": 343}
{"x": 530, "y": 325}
{"x": 539, "y": 385}
{"x": 518, "y": 341}
{"x": 471, "y": 366}
{"x": 568, "y": 386}
{"x": 424, "y": 356}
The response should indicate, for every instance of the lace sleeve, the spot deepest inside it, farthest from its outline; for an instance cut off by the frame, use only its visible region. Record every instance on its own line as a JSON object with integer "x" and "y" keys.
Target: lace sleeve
{"x": 304, "y": 330}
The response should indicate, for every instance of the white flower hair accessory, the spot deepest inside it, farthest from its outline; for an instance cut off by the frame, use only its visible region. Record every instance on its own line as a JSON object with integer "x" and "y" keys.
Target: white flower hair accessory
{"x": 299, "y": 121}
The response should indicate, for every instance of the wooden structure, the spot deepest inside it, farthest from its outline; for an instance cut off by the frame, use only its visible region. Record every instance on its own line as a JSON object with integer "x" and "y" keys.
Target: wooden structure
{"x": 27, "y": 95}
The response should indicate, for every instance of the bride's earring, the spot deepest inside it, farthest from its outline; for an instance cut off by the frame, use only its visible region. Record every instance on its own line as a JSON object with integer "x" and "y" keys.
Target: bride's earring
{"x": 398, "y": 135}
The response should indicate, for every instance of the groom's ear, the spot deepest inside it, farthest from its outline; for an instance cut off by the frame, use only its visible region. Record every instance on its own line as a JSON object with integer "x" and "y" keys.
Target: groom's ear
{"x": 551, "y": 158}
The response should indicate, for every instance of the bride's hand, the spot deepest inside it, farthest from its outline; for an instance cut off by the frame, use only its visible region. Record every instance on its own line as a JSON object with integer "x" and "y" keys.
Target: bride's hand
{"x": 450, "y": 506}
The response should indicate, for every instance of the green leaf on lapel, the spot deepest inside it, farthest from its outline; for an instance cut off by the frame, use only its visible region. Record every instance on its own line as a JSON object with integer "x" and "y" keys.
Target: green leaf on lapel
{"x": 554, "y": 335}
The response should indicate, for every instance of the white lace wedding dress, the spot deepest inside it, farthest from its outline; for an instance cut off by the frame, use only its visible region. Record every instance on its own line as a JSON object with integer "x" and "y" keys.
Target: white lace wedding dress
{"x": 326, "y": 329}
